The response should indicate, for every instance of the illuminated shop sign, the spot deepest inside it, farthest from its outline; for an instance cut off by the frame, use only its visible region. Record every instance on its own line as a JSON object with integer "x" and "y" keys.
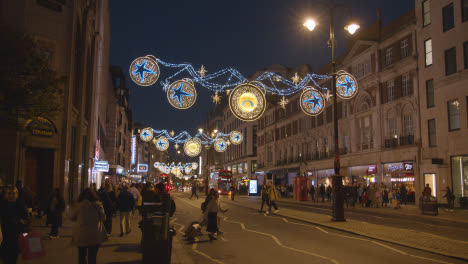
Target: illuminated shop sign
{"x": 101, "y": 165}
{"x": 408, "y": 166}
{"x": 406, "y": 179}
{"x": 142, "y": 168}
{"x": 133, "y": 149}
{"x": 372, "y": 169}
{"x": 40, "y": 126}
{"x": 253, "y": 186}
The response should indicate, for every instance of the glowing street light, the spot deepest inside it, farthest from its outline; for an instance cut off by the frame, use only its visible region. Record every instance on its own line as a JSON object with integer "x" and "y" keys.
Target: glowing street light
{"x": 310, "y": 24}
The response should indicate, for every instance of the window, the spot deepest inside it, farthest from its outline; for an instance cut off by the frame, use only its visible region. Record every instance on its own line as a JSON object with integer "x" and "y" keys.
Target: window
{"x": 404, "y": 48}
{"x": 447, "y": 17}
{"x": 405, "y": 84}
{"x": 408, "y": 122}
{"x": 431, "y": 127}
{"x": 450, "y": 61}
{"x": 464, "y": 8}
{"x": 388, "y": 56}
{"x": 426, "y": 8}
{"x": 430, "y": 93}
{"x": 54, "y": 5}
{"x": 393, "y": 128}
{"x": 428, "y": 52}
{"x": 390, "y": 90}
{"x": 465, "y": 53}
{"x": 453, "y": 115}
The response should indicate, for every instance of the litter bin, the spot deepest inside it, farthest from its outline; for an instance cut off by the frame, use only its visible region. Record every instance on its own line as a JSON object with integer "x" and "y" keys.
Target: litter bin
{"x": 156, "y": 236}
{"x": 428, "y": 205}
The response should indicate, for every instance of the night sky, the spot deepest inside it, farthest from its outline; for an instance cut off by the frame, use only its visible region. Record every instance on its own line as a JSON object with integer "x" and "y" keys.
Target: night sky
{"x": 248, "y": 35}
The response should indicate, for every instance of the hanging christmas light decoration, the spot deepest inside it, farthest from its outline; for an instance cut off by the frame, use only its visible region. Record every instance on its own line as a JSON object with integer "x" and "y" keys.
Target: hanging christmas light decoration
{"x": 144, "y": 71}
{"x": 312, "y": 102}
{"x": 247, "y": 101}
{"x": 346, "y": 85}
{"x": 192, "y": 147}
{"x": 220, "y": 145}
{"x": 236, "y": 137}
{"x": 146, "y": 134}
{"x": 182, "y": 94}
{"x": 162, "y": 143}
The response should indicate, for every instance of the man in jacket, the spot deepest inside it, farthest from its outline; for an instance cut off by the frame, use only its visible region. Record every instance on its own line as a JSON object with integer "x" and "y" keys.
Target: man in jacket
{"x": 126, "y": 204}
{"x": 272, "y": 197}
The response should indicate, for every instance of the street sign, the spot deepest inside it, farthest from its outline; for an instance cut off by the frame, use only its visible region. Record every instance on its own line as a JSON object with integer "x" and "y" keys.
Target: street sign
{"x": 101, "y": 165}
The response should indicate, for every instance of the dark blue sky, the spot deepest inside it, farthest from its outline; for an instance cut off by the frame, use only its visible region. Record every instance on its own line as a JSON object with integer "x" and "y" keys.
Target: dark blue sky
{"x": 248, "y": 35}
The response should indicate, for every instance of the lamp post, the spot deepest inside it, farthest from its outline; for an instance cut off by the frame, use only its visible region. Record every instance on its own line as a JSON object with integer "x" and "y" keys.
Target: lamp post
{"x": 337, "y": 181}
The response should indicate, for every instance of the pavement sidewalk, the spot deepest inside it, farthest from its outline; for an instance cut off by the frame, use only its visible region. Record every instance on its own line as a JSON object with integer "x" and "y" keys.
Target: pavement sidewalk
{"x": 400, "y": 236}
{"x": 117, "y": 250}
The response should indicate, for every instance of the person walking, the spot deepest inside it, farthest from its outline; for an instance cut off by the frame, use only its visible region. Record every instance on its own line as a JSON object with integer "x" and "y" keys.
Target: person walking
{"x": 194, "y": 189}
{"x": 54, "y": 213}
{"x": 403, "y": 194}
{"x": 450, "y": 198}
{"x": 14, "y": 220}
{"x": 126, "y": 203}
{"x": 272, "y": 197}
{"x": 232, "y": 189}
{"x": 385, "y": 197}
{"x": 211, "y": 214}
{"x": 136, "y": 194}
{"x": 329, "y": 191}
{"x": 322, "y": 192}
{"x": 312, "y": 192}
{"x": 264, "y": 195}
{"x": 107, "y": 197}
{"x": 88, "y": 231}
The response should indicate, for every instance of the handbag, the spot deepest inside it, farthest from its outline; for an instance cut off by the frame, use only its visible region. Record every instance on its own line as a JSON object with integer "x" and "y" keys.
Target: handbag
{"x": 31, "y": 245}
{"x": 101, "y": 227}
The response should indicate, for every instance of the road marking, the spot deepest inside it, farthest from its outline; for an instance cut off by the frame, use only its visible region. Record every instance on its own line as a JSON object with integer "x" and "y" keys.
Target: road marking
{"x": 194, "y": 248}
{"x": 394, "y": 249}
{"x": 278, "y": 242}
{"x": 321, "y": 229}
{"x": 286, "y": 220}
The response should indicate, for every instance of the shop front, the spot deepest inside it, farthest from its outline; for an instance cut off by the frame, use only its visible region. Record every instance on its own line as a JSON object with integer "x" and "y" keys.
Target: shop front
{"x": 460, "y": 180}
{"x": 325, "y": 177}
{"x": 401, "y": 174}
{"x": 363, "y": 175}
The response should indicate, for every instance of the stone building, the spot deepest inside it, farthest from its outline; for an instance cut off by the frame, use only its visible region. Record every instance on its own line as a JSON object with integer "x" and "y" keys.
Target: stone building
{"x": 76, "y": 36}
{"x": 442, "y": 44}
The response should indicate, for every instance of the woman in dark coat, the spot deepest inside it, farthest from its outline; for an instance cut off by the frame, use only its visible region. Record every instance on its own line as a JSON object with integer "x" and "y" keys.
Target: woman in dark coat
{"x": 14, "y": 220}
{"x": 55, "y": 208}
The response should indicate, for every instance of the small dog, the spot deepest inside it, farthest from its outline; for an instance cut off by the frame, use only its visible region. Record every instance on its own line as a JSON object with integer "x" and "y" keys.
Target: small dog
{"x": 193, "y": 231}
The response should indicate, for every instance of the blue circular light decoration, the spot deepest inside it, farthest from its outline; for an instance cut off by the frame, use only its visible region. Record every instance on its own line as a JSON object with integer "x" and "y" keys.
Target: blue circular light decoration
{"x": 182, "y": 94}
{"x": 220, "y": 145}
{"x": 312, "y": 102}
{"x": 162, "y": 143}
{"x": 146, "y": 134}
{"x": 144, "y": 71}
{"x": 346, "y": 85}
{"x": 236, "y": 137}
{"x": 156, "y": 165}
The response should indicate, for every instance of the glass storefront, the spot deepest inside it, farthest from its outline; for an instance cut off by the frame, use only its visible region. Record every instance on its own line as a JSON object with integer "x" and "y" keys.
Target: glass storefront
{"x": 363, "y": 175}
{"x": 401, "y": 174}
{"x": 460, "y": 176}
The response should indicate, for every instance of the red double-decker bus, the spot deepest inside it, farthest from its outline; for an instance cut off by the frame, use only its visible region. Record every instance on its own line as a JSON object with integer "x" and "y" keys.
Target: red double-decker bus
{"x": 164, "y": 178}
{"x": 221, "y": 181}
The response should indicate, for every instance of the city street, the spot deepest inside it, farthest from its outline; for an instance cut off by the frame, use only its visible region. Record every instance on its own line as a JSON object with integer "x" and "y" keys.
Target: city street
{"x": 251, "y": 237}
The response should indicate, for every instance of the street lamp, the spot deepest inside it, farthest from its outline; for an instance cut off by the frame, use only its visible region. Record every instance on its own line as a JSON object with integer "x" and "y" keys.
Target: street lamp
{"x": 337, "y": 181}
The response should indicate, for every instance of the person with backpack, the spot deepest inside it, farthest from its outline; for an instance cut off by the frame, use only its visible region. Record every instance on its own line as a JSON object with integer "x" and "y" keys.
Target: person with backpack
{"x": 126, "y": 204}
{"x": 272, "y": 197}
{"x": 264, "y": 195}
{"x": 162, "y": 196}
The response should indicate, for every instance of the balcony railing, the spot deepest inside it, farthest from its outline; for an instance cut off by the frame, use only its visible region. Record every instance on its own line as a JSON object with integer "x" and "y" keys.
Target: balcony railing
{"x": 391, "y": 143}
{"x": 407, "y": 140}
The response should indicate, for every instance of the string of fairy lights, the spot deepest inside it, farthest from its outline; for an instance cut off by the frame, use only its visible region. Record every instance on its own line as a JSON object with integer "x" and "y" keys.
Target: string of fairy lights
{"x": 176, "y": 169}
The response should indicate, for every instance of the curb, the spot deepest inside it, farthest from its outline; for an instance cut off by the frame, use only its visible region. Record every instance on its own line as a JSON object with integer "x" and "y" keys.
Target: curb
{"x": 445, "y": 254}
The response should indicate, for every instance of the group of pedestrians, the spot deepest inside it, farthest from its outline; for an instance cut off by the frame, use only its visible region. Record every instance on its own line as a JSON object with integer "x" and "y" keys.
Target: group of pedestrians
{"x": 269, "y": 196}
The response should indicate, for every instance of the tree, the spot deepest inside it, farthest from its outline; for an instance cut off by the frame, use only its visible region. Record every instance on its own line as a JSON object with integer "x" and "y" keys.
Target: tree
{"x": 28, "y": 86}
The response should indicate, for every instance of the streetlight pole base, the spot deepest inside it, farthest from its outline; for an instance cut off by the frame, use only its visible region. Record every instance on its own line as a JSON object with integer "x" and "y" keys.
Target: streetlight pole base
{"x": 338, "y": 199}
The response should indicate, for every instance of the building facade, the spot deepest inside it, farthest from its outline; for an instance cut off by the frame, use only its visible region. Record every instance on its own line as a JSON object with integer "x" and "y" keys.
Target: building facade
{"x": 443, "y": 80}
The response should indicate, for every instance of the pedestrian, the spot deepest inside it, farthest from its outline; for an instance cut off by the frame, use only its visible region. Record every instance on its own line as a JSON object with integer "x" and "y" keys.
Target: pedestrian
{"x": 135, "y": 193}
{"x": 107, "y": 197}
{"x": 14, "y": 220}
{"x": 385, "y": 197}
{"x": 88, "y": 231}
{"x": 54, "y": 213}
{"x": 329, "y": 191}
{"x": 427, "y": 191}
{"x": 148, "y": 193}
{"x": 163, "y": 197}
{"x": 194, "y": 189}
{"x": 364, "y": 199}
{"x": 232, "y": 190}
{"x": 312, "y": 192}
{"x": 322, "y": 192}
{"x": 210, "y": 215}
{"x": 264, "y": 195}
{"x": 272, "y": 197}
{"x": 377, "y": 197}
{"x": 403, "y": 194}
{"x": 126, "y": 203}
{"x": 450, "y": 198}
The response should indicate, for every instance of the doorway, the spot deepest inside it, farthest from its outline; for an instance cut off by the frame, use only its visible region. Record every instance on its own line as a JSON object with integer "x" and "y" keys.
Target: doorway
{"x": 39, "y": 172}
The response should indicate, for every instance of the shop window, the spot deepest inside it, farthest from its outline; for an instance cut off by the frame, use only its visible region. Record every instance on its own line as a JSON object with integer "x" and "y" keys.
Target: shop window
{"x": 426, "y": 8}
{"x": 431, "y": 127}
{"x": 459, "y": 176}
{"x": 453, "y": 115}
{"x": 405, "y": 84}
{"x": 428, "y": 52}
{"x": 430, "y": 179}
{"x": 404, "y": 48}
{"x": 447, "y": 17}
{"x": 390, "y": 90}
{"x": 430, "y": 93}
{"x": 450, "y": 61}
{"x": 393, "y": 128}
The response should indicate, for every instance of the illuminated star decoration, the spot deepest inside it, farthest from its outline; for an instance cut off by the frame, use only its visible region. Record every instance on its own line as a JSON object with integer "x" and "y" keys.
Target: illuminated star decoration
{"x": 202, "y": 71}
{"x": 237, "y": 138}
{"x": 176, "y": 146}
{"x": 348, "y": 84}
{"x": 328, "y": 95}
{"x": 145, "y": 135}
{"x": 221, "y": 145}
{"x": 296, "y": 79}
{"x": 161, "y": 144}
{"x": 283, "y": 102}
{"x": 141, "y": 69}
{"x": 315, "y": 101}
{"x": 216, "y": 98}
{"x": 179, "y": 93}
{"x": 172, "y": 133}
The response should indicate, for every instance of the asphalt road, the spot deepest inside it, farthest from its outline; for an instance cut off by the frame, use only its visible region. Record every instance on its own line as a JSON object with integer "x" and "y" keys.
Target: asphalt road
{"x": 251, "y": 237}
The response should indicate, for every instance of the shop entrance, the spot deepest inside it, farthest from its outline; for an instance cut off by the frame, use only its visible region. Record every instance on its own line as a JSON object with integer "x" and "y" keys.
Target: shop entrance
{"x": 39, "y": 171}
{"x": 430, "y": 178}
